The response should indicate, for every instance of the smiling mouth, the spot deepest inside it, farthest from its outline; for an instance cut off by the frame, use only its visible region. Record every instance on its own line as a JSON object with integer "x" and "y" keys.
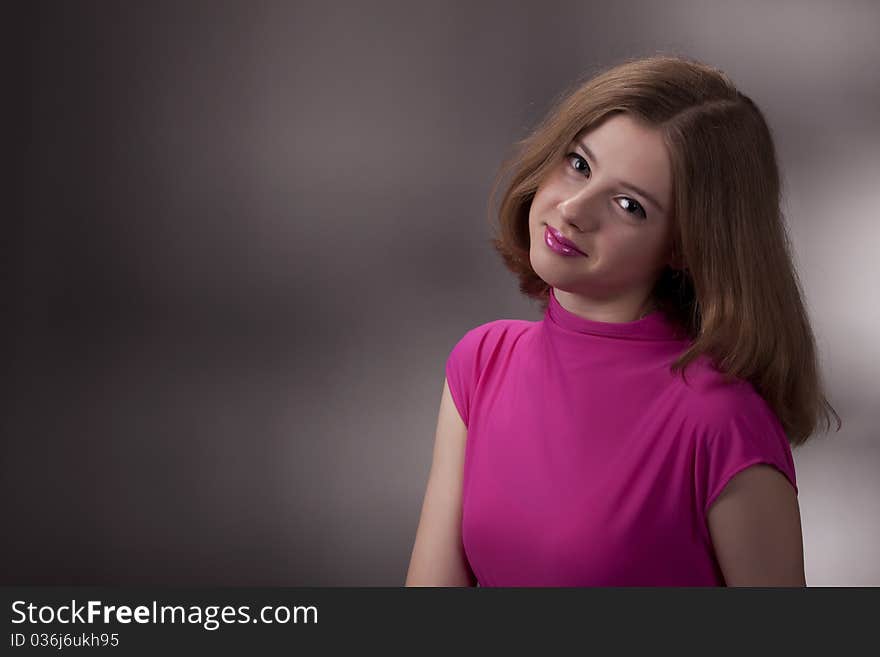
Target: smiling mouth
{"x": 558, "y": 243}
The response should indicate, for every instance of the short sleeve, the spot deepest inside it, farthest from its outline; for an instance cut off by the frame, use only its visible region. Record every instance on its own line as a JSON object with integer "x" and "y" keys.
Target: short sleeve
{"x": 466, "y": 362}
{"x": 462, "y": 374}
{"x": 748, "y": 435}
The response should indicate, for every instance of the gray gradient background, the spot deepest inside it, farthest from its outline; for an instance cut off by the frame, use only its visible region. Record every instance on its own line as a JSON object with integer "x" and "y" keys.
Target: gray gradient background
{"x": 201, "y": 389}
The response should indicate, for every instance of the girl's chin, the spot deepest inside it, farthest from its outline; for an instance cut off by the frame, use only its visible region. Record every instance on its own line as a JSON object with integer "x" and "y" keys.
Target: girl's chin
{"x": 557, "y": 262}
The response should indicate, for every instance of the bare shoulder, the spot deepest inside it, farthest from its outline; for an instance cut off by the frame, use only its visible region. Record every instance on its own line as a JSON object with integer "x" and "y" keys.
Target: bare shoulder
{"x": 755, "y": 526}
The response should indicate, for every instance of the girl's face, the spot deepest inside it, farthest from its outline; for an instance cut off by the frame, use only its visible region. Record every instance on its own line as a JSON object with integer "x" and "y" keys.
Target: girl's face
{"x": 590, "y": 197}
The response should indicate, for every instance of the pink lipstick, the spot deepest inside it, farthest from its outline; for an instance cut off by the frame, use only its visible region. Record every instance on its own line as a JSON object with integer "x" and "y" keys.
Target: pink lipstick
{"x": 558, "y": 243}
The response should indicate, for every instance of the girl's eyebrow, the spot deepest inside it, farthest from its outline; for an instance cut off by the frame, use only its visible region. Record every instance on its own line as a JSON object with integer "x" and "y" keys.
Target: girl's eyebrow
{"x": 623, "y": 183}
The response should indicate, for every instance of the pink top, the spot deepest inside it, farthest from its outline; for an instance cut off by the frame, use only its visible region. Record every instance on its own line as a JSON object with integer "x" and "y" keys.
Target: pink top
{"x": 587, "y": 462}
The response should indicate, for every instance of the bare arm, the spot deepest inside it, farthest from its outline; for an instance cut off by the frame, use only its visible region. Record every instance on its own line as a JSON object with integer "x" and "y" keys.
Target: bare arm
{"x": 438, "y": 557}
{"x": 755, "y": 526}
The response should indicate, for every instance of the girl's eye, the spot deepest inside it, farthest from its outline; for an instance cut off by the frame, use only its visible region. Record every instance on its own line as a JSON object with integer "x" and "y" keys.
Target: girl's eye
{"x": 627, "y": 203}
{"x": 579, "y": 159}
{"x": 632, "y": 203}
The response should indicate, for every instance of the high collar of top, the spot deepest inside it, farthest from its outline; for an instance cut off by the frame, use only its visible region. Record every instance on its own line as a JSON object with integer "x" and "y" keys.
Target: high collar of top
{"x": 654, "y": 326}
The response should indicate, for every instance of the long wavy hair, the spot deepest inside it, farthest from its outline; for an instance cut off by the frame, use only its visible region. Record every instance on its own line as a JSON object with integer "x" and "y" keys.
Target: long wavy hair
{"x": 736, "y": 293}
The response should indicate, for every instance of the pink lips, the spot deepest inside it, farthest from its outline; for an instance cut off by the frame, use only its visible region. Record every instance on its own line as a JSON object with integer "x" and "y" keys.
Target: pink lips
{"x": 557, "y": 242}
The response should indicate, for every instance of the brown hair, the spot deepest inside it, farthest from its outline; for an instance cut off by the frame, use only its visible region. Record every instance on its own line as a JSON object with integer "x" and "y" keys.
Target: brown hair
{"x": 737, "y": 294}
